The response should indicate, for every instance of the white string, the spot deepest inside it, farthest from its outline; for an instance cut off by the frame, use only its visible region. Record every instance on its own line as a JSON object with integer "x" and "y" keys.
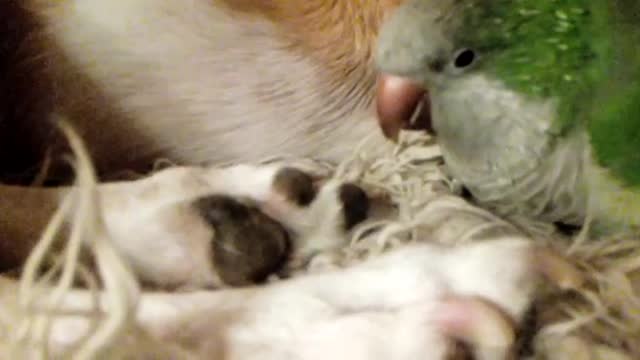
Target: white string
{"x": 121, "y": 290}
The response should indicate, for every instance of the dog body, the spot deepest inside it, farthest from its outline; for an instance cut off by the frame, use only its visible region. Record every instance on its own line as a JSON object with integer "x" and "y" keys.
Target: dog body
{"x": 197, "y": 81}
{"x": 204, "y": 82}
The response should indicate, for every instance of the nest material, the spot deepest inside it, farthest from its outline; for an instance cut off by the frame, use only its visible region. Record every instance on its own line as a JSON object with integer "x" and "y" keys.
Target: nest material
{"x": 601, "y": 322}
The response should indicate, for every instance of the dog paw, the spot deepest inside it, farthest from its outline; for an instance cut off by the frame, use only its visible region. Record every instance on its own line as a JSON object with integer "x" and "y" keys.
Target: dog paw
{"x": 247, "y": 246}
{"x": 195, "y": 227}
{"x": 419, "y": 302}
{"x": 422, "y": 301}
{"x": 454, "y": 328}
{"x": 303, "y": 201}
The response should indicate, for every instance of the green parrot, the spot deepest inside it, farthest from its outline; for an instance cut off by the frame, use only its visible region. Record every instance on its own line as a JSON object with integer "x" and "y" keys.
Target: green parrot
{"x": 535, "y": 103}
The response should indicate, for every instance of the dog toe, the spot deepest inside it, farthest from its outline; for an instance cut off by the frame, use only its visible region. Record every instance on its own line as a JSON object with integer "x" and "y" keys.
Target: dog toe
{"x": 355, "y": 204}
{"x": 295, "y": 185}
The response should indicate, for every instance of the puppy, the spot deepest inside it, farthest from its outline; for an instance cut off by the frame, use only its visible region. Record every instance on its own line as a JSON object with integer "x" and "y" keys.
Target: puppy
{"x": 197, "y": 82}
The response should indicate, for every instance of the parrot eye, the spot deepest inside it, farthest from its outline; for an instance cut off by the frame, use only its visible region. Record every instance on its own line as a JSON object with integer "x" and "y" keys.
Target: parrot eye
{"x": 464, "y": 58}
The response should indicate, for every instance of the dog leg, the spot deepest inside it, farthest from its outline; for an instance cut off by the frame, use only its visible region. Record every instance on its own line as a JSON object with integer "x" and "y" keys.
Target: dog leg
{"x": 411, "y": 303}
{"x": 198, "y": 227}
{"x": 181, "y": 223}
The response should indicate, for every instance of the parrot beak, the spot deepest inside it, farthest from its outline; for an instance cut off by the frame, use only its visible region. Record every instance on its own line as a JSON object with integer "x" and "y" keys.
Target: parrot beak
{"x": 402, "y": 105}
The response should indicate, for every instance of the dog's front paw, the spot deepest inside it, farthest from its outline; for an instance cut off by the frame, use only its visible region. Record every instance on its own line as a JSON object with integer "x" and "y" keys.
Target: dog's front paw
{"x": 453, "y": 328}
{"x": 506, "y": 272}
{"x": 318, "y": 215}
{"x": 194, "y": 227}
{"x": 317, "y": 211}
{"x": 435, "y": 297}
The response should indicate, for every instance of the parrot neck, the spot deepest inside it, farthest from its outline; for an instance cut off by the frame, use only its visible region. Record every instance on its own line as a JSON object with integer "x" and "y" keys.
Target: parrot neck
{"x": 500, "y": 145}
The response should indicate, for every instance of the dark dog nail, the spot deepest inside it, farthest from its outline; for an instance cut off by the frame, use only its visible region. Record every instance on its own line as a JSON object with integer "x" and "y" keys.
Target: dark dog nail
{"x": 355, "y": 203}
{"x": 295, "y": 185}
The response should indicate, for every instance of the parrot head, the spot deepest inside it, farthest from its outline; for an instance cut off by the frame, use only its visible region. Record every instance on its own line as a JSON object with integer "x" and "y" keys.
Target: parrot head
{"x": 530, "y": 99}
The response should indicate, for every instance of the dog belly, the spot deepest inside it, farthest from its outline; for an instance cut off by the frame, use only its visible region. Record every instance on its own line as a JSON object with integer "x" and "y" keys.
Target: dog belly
{"x": 191, "y": 82}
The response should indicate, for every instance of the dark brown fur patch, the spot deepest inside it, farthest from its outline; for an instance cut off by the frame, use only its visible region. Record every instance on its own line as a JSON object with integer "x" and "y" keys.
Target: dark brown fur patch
{"x": 355, "y": 204}
{"x": 247, "y": 245}
{"x": 25, "y": 89}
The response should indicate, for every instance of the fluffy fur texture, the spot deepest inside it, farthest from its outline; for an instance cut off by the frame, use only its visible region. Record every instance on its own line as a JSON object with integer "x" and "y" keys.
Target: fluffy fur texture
{"x": 218, "y": 67}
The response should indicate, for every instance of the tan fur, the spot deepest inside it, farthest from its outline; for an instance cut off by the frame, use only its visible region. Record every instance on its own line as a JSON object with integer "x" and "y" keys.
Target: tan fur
{"x": 305, "y": 66}
{"x": 337, "y": 34}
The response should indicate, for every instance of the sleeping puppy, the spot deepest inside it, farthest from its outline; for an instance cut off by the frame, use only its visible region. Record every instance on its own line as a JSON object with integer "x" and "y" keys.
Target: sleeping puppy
{"x": 196, "y": 81}
{"x": 205, "y": 82}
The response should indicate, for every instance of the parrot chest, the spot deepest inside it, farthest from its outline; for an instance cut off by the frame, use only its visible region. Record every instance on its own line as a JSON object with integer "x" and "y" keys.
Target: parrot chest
{"x": 500, "y": 146}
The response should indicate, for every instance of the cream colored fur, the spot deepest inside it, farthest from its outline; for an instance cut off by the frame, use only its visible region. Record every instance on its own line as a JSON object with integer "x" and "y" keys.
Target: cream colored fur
{"x": 207, "y": 85}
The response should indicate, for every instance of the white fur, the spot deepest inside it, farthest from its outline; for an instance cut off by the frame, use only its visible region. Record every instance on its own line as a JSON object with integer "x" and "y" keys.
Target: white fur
{"x": 392, "y": 307}
{"x": 154, "y": 224}
{"x": 202, "y": 85}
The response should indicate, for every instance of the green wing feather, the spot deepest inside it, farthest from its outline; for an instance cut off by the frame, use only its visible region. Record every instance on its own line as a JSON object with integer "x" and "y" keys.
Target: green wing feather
{"x": 614, "y": 115}
{"x": 585, "y": 54}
